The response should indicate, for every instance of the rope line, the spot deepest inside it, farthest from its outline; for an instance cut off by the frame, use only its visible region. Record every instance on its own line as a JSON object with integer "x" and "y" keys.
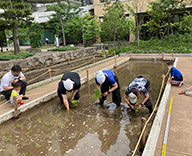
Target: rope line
{"x": 154, "y": 109}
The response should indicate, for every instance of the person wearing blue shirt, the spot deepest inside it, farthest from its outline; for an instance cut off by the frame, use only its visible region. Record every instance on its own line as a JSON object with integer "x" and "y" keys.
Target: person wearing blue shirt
{"x": 107, "y": 82}
{"x": 176, "y": 76}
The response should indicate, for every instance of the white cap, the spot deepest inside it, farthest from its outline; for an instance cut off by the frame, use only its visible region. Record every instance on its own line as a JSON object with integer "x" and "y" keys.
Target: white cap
{"x": 68, "y": 84}
{"x": 132, "y": 98}
{"x": 100, "y": 77}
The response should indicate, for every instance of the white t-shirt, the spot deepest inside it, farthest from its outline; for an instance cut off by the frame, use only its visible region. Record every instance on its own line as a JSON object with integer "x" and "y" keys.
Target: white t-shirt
{"x": 8, "y": 78}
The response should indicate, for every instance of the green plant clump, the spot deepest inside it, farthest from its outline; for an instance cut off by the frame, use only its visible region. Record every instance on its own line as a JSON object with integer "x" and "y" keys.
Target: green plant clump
{"x": 97, "y": 94}
{"x": 63, "y": 48}
{"x": 75, "y": 102}
{"x": 18, "y": 56}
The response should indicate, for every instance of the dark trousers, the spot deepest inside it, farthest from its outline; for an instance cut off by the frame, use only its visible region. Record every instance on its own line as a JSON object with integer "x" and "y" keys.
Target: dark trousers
{"x": 7, "y": 93}
{"x": 116, "y": 96}
{"x": 149, "y": 102}
{"x": 77, "y": 95}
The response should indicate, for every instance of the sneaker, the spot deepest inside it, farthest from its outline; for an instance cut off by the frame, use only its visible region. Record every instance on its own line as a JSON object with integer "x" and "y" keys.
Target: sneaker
{"x": 21, "y": 103}
{"x": 25, "y": 98}
{"x": 18, "y": 105}
{"x": 179, "y": 84}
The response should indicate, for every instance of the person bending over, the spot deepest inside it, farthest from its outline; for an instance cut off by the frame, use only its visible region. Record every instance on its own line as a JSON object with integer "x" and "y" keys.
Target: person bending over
{"x": 69, "y": 82}
{"x": 107, "y": 82}
{"x": 140, "y": 85}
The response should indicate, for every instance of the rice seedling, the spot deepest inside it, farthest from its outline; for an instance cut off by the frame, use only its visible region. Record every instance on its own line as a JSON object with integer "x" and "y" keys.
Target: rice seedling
{"x": 3, "y": 133}
{"x": 128, "y": 127}
{"x": 29, "y": 118}
{"x": 75, "y": 102}
{"x": 9, "y": 139}
{"x": 136, "y": 109}
{"x": 46, "y": 123}
{"x": 10, "y": 152}
{"x": 107, "y": 134}
{"x": 58, "y": 115}
{"x": 39, "y": 120}
{"x": 97, "y": 94}
{"x": 87, "y": 120}
{"x": 61, "y": 125}
{"x": 37, "y": 145}
{"x": 71, "y": 117}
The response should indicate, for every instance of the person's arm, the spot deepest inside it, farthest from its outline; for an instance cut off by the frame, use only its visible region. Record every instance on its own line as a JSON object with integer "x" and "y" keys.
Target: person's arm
{"x": 65, "y": 101}
{"x": 6, "y": 88}
{"x": 115, "y": 86}
{"x": 99, "y": 87}
{"x": 144, "y": 100}
{"x": 127, "y": 101}
{"x": 74, "y": 93}
{"x": 22, "y": 78}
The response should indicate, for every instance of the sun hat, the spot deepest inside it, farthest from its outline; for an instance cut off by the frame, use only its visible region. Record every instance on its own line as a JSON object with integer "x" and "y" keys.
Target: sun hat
{"x": 133, "y": 96}
{"x": 100, "y": 77}
{"x": 68, "y": 84}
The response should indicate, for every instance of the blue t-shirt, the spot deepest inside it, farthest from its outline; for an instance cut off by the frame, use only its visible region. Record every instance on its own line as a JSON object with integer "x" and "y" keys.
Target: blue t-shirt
{"x": 110, "y": 77}
{"x": 175, "y": 72}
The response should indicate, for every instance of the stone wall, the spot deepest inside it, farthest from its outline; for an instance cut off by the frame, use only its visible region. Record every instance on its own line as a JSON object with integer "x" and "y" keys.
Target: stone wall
{"x": 41, "y": 60}
{"x": 108, "y": 46}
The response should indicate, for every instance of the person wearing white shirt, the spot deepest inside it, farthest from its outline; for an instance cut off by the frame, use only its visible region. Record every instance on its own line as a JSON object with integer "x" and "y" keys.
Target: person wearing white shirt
{"x": 14, "y": 75}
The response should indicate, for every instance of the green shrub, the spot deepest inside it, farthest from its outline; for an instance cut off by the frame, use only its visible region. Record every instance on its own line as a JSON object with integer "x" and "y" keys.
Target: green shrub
{"x": 63, "y": 48}
{"x": 18, "y": 56}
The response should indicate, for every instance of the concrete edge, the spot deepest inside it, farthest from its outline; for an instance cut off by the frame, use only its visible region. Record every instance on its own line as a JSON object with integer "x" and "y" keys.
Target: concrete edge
{"x": 59, "y": 76}
{"x": 153, "y": 137}
{"x": 9, "y": 115}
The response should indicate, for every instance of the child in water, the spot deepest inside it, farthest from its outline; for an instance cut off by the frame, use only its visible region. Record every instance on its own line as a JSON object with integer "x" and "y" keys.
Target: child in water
{"x": 176, "y": 76}
{"x": 15, "y": 92}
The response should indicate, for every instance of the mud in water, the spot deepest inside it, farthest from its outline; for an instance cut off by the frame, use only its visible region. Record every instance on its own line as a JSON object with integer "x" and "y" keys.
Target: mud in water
{"x": 86, "y": 129}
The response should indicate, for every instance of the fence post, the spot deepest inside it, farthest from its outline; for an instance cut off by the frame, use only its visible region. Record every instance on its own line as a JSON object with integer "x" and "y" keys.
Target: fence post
{"x": 68, "y": 60}
{"x": 173, "y": 56}
{"x": 142, "y": 142}
{"x": 49, "y": 72}
{"x": 114, "y": 52}
{"x": 162, "y": 55}
{"x": 87, "y": 70}
{"x": 15, "y": 107}
{"x": 130, "y": 55}
{"x": 94, "y": 59}
{"x": 115, "y": 62}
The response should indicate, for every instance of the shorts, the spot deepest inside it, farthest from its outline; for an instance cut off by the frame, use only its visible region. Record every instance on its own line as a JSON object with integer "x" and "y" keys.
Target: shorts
{"x": 180, "y": 78}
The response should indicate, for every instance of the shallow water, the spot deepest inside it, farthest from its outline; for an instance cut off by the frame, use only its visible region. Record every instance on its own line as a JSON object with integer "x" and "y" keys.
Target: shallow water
{"x": 84, "y": 130}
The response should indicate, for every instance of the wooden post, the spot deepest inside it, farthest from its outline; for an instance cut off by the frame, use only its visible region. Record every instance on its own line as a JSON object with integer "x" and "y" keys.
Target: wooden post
{"x": 115, "y": 62}
{"x": 49, "y": 72}
{"x": 162, "y": 55}
{"x": 96, "y": 53}
{"x": 130, "y": 55}
{"x": 114, "y": 52}
{"x": 142, "y": 142}
{"x": 68, "y": 60}
{"x": 87, "y": 70}
{"x": 15, "y": 107}
{"x": 94, "y": 59}
{"x": 173, "y": 56}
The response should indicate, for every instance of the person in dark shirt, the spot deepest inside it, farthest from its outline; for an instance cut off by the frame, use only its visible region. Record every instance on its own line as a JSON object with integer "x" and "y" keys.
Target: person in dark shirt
{"x": 107, "y": 79}
{"x": 69, "y": 82}
{"x": 140, "y": 85}
{"x": 176, "y": 76}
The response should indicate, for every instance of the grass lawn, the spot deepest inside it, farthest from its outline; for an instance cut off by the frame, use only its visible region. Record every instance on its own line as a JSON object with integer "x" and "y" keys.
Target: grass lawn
{"x": 45, "y": 47}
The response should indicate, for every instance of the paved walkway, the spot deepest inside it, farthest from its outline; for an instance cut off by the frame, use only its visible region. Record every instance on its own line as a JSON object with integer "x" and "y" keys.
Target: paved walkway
{"x": 179, "y": 141}
{"x": 43, "y": 90}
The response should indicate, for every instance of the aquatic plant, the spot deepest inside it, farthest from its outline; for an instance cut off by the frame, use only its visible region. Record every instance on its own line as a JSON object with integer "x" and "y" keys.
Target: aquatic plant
{"x": 61, "y": 125}
{"x": 75, "y": 102}
{"x": 37, "y": 145}
{"x": 39, "y": 120}
{"x": 10, "y": 152}
{"x": 136, "y": 109}
{"x": 97, "y": 94}
{"x": 71, "y": 117}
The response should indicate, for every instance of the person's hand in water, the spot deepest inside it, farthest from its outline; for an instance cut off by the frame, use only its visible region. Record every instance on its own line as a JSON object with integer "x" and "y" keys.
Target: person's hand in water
{"x": 132, "y": 107}
{"x": 105, "y": 94}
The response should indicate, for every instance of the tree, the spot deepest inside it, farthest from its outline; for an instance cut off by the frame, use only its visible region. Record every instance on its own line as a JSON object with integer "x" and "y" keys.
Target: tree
{"x": 15, "y": 14}
{"x": 73, "y": 30}
{"x": 63, "y": 13}
{"x": 115, "y": 24}
{"x": 91, "y": 28}
{"x": 35, "y": 33}
{"x": 168, "y": 8}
